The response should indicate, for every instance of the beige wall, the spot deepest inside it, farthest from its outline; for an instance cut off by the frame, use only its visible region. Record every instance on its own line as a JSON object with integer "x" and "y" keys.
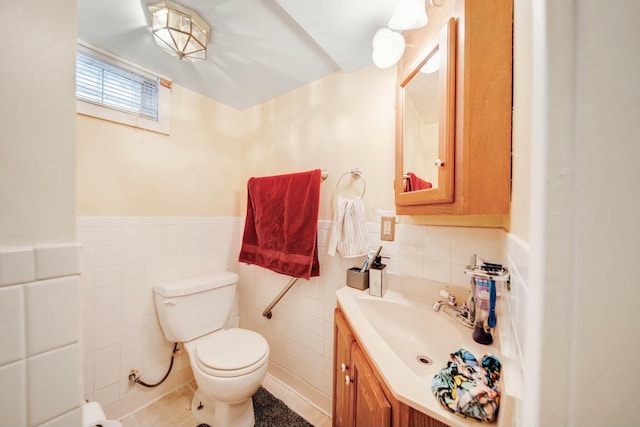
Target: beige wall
{"x": 37, "y": 149}
{"x": 338, "y": 123}
{"x": 125, "y": 171}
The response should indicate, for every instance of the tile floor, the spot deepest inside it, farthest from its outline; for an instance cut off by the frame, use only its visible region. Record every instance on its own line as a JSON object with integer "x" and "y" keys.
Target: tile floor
{"x": 173, "y": 410}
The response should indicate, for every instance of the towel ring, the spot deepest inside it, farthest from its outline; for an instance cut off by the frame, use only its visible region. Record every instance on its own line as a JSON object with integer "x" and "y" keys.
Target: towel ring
{"x": 355, "y": 174}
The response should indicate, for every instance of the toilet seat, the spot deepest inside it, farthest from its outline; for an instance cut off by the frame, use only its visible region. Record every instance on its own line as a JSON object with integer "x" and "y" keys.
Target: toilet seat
{"x": 231, "y": 353}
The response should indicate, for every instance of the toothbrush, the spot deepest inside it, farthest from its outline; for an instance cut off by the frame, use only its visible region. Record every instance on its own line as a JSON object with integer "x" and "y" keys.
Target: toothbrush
{"x": 370, "y": 259}
{"x": 492, "y": 319}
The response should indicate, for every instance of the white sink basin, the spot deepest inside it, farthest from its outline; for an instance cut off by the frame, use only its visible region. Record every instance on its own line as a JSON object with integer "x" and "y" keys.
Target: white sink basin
{"x": 401, "y": 332}
{"x": 413, "y": 333}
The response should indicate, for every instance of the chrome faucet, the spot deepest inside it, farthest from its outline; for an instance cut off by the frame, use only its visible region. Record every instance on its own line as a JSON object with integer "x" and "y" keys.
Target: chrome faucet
{"x": 460, "y": 314}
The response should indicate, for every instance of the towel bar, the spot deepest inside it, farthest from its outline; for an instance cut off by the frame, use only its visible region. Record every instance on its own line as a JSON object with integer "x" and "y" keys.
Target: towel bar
{"x": 267, "y": 311}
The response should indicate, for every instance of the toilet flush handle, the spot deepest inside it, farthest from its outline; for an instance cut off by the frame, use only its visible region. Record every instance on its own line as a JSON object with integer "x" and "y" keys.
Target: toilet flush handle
{"x": 169, "y": 301}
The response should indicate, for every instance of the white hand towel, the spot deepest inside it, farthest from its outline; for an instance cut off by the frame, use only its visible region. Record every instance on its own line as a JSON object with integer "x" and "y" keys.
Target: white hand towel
{"x": 349, "y": 230}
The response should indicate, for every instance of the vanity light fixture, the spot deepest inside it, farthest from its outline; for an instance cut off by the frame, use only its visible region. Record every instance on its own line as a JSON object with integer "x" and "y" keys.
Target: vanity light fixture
{"x": 179, "y": 31}
{"x": 408, "y": 14}
{"x": 388, "y": 47}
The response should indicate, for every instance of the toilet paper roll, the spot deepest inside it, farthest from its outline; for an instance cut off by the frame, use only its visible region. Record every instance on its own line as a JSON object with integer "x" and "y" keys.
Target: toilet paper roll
{"x": 92, "y": 413}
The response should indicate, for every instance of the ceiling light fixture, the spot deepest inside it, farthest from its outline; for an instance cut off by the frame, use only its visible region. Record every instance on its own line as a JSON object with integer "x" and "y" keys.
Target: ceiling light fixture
{"x": 408, "y": 15}
{"x": 179, "y": 31}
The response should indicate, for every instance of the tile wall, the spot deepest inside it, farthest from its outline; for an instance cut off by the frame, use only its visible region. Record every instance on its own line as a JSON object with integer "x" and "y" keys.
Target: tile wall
{"x": 122, "y": 258}
{"x": 512, "y": 335}
{"x": 39, "y": 359}
{"x": 300, "y": 333}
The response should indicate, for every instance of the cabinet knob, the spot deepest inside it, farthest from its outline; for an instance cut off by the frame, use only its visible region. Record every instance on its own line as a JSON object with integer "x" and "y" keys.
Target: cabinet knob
{"x": 347, "y": 379}
{"x": 343, "y": 367}
{"x": 438, "y": 163}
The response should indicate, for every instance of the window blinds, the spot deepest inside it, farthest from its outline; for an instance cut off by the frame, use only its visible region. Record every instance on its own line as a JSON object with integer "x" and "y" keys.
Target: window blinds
{"x": 113, "y": 86}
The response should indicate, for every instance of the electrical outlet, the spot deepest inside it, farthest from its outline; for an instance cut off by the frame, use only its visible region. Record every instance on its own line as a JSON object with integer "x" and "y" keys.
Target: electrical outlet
{"x": 388, "y": 228}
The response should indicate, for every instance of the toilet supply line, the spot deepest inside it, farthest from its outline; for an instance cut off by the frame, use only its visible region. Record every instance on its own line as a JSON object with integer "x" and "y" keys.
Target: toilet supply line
{"x": 134, "y": 377}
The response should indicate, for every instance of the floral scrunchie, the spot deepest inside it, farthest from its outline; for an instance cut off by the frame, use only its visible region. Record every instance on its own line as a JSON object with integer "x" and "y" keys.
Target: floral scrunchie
{"x": 468, "y": 387}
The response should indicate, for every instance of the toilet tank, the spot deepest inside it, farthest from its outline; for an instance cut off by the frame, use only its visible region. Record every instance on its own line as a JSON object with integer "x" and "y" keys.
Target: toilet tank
{"x": 192, "y": 307}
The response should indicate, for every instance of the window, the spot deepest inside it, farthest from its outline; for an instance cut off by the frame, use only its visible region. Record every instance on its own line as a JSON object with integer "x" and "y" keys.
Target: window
{"x": 111, "y": 89}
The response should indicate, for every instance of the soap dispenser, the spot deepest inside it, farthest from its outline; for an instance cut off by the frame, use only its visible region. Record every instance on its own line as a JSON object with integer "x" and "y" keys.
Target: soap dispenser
{"x": 378, "y": 277}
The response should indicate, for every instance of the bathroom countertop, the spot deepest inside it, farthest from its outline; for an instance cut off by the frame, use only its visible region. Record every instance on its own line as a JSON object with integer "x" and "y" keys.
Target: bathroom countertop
{"x": 397, "y": 328}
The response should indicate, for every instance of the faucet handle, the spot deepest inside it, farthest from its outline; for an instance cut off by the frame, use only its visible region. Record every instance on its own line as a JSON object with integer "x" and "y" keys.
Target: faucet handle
{"x": 448, "y": 296}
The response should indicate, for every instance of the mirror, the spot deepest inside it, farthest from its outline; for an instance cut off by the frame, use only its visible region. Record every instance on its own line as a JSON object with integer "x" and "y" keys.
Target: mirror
{"x": 420, "y": 126}
{"x": 425, "y": 123}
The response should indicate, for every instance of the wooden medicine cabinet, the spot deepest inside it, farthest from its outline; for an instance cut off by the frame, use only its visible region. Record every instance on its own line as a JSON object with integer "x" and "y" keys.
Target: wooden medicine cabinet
{"x": 453, "y": 120}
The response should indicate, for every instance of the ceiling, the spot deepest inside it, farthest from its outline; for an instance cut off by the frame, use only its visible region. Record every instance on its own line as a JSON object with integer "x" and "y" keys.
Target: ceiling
{"x": 258, "y": 49}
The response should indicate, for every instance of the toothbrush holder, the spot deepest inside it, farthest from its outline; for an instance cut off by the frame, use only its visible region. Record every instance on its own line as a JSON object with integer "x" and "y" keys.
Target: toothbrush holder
{"x": 357, "y": 279}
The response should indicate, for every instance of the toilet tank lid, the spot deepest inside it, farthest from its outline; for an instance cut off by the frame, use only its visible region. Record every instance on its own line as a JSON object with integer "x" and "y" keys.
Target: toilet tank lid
{"x": 192, "y": 285}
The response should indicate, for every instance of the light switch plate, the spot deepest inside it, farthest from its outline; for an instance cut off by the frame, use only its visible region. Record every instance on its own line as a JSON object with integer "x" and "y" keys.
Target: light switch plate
{"x": 387, "y": 228}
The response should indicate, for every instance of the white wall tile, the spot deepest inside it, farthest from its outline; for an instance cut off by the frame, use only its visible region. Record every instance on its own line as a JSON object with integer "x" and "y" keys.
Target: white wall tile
{"x": 106, "y": 336}
{"x": 107, "y": 296}
{"x": 107, "y": 276}
{"x": 17, "y": 265}
{"x": 512, "y": 332}
{"x": 87, "y": 258}
{"x": 12, "y": 324}
{"x": 107, "y": 356}
{"x": 133, "y": 273}
{"x": 13, "y": 390}
{"x": 174, "y": 232}
{"x": 106, "y": 376}
{"x": 107, "y": 316}
{"x": 108, "y": 236}
{"x": 303, "y": 346}
{"x": 154, "y": 233}
{"x": 133, "y": 234}
{"x": 438, "y": 247}
{"x": 52, "y": 313}
{"x": 131, "y": 348}
{"x": 73, "y": 418}
{"x": 86, "y": 236}
{"x": 57, "y": 260}
{"x": 87, "y": 383}
{"x": 52, "y": 385}
{"x": 300, "y": 333}
{"x": 97, "y": 221}
{"x": 108, "y": 256}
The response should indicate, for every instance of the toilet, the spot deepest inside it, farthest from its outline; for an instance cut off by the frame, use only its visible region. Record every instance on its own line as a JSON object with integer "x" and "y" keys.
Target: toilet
{"x": 228, "y": 365}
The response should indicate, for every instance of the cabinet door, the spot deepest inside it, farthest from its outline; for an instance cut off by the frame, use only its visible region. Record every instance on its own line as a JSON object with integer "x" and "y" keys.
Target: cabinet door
{"x": 371, "y": 407}
{"x": 342, "y": 398}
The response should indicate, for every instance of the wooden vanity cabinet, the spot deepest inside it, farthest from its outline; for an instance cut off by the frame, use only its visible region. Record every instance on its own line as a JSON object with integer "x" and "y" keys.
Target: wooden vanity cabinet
{"x": 360, "y": 395}
{"x": 342, "y": 398}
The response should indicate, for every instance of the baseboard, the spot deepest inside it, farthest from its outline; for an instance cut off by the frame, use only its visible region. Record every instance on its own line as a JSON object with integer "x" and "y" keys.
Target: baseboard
{"x": 304, "y": 390}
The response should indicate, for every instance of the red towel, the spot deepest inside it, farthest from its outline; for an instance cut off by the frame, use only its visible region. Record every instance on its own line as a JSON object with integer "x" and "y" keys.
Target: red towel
{"x": 416, "y": 183}
{"x": 280, "y": 230}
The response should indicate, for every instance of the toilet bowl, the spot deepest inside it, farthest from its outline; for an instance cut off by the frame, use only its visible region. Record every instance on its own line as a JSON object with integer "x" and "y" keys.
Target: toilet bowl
{"x": 228, "y": 365}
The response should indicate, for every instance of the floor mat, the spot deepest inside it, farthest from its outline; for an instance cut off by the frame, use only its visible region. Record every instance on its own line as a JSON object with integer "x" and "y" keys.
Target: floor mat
{"x": 273, "y": 412}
